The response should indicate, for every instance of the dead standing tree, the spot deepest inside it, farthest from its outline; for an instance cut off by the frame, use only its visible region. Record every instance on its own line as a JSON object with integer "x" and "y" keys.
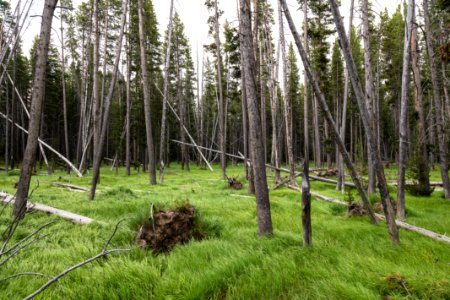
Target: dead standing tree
{"x": 107, "y": 105}
{"x": 403, "y": 114}
{"x": 321, "y": 101}
{"x": 163, "y": 142}
{"x": 256, "y": 141}
{"x": 36, "y": 108}
{"x": 376, "y": 157}
{"x": 147, "y": 95}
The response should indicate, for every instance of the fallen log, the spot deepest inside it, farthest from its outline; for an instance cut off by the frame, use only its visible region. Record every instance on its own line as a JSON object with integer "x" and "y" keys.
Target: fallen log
{"x": 70, "y": 187}
{"x": 409, "y": 227}
{"x": 77, "y": 219}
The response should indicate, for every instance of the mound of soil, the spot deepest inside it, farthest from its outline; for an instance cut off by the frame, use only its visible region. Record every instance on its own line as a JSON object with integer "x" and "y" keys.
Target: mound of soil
{"x": 355, "y": 209}
{"x": 234, "y": 183}
{"x": 167, "y": 229}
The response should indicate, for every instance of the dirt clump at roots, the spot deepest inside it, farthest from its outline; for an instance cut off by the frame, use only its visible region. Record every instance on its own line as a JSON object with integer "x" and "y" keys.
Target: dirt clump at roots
{"x": 356, "y": 209}
{"x": 168, "y": 228}
{"x": 234, "y": 183}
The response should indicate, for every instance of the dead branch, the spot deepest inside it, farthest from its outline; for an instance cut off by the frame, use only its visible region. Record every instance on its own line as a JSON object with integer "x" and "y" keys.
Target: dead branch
{"x": 77, "y": 219}
{"x": 103, "y": 253}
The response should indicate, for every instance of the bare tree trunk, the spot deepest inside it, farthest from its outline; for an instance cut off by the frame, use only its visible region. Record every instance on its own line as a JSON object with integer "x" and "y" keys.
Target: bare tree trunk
{"x": 105, "y": 53}
{"x": 256, "y": 145}
{"x": 317, "y": 152}
{"x": 321, "y": 101}
{"x": 146, "y": 84}
{"x": 306, "y": 196}
{"x": 440, "y": 123}
{"x": 63, "y": 81}
{"x": 163, "y": 140}
{"x": 128, "y": 104}
{"x": 36, "y": 107}
{"x": 107, "y": 104}
{"x": 287, "y": 106}
{"x": 222, "y": 117}
{"x": 403, "y": 114}
{"x": 424, "y": 168}
{"x": 341, "y": 170}
{"x": 382, "y": 184}
{"x": 96, "y": 113}
{"x": 370, "y": 93}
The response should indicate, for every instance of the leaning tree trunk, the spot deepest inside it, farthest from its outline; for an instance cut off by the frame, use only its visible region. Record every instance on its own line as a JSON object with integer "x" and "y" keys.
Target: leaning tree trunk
{"x": 370, "y": 94}
{"x": 382, "y": 184}
{"x": 36, "y": 108}
{"x": 163, "y": 140}
{"x": 440, "y": 123}
{"x": 256, "y": 145}
{"x": 146, "y": 84}
{"x": 321, "y": 101}
{"x": 403, "y": 114}
{"x": 107, "y": 104}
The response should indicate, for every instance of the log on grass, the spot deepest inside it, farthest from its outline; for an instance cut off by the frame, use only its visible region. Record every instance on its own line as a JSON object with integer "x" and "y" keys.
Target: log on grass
{"x": 409, "y": 227}
{"x": 77, "y": 219}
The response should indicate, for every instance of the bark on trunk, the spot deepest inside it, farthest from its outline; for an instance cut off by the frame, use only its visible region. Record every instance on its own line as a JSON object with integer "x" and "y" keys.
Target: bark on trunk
{"x": 146, "y": 84}
{"x": 256, "y": 145}
{"x": 222, "y": 117}
{"x": 370, "y": 94}
{"x": 163, "y": 140}
{"x": 36, "y": 108}
{"x": 403, "y": 114}
{"x": 287, "y": 107}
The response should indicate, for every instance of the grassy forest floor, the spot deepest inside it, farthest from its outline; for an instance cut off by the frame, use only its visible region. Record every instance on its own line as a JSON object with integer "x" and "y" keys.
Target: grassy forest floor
{"x": 350, "y": 259}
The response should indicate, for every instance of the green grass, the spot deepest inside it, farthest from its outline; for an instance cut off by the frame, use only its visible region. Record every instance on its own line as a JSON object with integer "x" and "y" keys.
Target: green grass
{"x": 350, "y": 258}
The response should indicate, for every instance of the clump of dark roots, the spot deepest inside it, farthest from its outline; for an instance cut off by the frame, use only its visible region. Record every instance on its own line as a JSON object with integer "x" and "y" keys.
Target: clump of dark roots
{"x": 356, "y": 209}
{"x": 168, "y": 228}
{"x": 234, "y": 183}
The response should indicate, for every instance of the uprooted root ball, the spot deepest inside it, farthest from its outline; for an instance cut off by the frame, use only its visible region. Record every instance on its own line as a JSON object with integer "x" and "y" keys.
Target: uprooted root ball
{"x": 355, "y": 209}
{"x": 168, "y": 228}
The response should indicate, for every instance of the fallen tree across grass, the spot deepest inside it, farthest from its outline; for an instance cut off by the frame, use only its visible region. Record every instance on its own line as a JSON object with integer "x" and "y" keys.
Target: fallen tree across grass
{"x": 77, "y": 219}
{"x": 409, "y": 227}
{"x": 70, "y": 187}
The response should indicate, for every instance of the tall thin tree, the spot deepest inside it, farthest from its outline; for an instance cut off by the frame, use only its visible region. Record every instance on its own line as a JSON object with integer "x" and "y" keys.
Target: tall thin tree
{"x": 403, "y": 113}
{"x": 36, "y": 108}
{"x": 256, "y": 144}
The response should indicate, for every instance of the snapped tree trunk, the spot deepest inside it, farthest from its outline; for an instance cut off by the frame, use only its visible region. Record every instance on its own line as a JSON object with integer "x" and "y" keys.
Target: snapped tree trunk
{"x": 36, "y": 108}
{"x": 256, "y": 141}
